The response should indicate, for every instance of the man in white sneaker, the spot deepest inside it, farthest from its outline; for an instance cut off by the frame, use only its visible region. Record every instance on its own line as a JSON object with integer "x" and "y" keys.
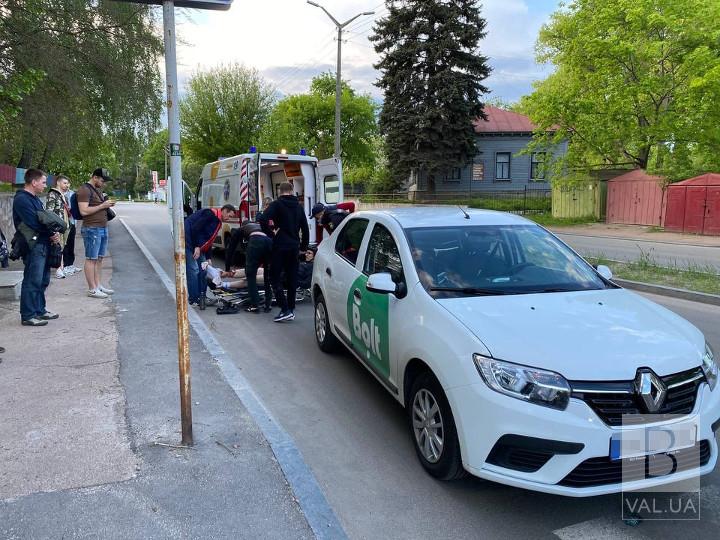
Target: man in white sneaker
{"x": 93, "y": 207}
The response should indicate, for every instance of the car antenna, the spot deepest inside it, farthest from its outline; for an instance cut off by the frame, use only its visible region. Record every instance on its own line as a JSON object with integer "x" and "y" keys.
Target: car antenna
{"x": 467, "y": 216}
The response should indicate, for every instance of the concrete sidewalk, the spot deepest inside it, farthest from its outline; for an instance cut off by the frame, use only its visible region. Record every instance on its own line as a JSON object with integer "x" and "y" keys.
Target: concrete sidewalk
{"x": 89, "y": 410}
{"x": 638, "y": 232}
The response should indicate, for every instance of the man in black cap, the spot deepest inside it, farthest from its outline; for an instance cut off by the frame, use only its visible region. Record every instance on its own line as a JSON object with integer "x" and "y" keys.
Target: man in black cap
{"x": 94, "y": 205}
{"x": 329, "y": 216}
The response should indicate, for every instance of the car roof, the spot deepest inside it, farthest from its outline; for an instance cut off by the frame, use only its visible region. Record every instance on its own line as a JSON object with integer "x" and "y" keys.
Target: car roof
{"x": 443, "y": 216}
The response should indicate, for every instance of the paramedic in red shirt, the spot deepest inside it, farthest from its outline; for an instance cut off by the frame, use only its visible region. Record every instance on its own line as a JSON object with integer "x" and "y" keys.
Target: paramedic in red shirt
{"x": 201, "y": 228}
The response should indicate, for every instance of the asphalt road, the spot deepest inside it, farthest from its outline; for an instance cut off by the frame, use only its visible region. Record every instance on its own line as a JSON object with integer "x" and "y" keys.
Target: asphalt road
{"x": 664, "y": 254}
{"x": 353, "y": 435}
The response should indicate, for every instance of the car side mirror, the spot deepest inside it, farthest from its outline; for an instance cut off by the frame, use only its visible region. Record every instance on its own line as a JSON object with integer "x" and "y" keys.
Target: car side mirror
{"x": 381, "y": 283}
{"x": 604, "y": 271}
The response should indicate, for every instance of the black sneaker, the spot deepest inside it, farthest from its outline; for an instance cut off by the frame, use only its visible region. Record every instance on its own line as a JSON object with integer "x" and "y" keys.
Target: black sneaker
{"x": 34, "y": 322}
{"x": 284, "y": 316}
{"x": 252, "y": 309}
{"x": 267, "y": 309}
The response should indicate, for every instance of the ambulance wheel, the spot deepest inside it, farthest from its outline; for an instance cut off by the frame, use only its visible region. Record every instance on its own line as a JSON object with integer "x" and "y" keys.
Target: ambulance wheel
{"x": 325, "y": 339}
{"x": 433, "y": 429}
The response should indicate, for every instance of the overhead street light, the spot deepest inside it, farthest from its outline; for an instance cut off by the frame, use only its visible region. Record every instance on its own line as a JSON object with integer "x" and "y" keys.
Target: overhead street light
{"x": 338, "y": 92}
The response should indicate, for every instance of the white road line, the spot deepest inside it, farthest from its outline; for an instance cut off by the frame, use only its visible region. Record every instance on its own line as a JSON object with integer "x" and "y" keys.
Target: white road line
{"x": 318, "y": 512}
{"x": 603, "y": 528}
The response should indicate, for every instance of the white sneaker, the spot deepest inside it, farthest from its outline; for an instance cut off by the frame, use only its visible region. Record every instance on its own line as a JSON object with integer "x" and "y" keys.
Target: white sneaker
{"x": 105, "y": 290}
{"x": 75, "y": 269}
{"x": 59, "y": 274}
{"x": 97, "y": 293}
{"x": 71, "y": 270}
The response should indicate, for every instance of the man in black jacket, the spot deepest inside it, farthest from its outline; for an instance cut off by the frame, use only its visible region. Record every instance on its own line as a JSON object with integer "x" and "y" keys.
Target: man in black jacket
{"x": 36, "y": 276}
{"x": 291, "y": 237}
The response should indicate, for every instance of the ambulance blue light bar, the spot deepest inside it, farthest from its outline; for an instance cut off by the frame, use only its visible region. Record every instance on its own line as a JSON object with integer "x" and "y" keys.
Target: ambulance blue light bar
{"x": 196, "y": 4}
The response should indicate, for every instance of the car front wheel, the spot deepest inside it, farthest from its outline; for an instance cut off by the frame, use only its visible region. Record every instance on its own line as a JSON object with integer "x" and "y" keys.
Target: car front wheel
{"x": 433, "y": 429}
{"x": 325, "y": 339}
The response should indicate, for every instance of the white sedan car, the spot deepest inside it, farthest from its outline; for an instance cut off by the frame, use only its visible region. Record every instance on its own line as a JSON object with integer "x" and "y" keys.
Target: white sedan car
{"x": 515, "y": 359}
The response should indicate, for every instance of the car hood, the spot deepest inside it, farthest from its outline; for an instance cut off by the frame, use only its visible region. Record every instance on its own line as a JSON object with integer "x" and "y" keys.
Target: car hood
{"x": 583, "y": 335}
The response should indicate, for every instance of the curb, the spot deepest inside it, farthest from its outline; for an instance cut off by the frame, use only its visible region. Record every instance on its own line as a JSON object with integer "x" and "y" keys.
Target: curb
{"x": 684, "y": 294}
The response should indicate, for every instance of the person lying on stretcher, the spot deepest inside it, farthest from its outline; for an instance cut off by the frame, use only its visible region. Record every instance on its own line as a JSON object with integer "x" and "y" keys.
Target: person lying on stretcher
{"x": 229, "y": 280}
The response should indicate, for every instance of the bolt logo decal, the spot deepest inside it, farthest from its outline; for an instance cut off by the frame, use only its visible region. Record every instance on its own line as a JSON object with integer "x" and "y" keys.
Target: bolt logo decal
{"x": 368, "y": 320}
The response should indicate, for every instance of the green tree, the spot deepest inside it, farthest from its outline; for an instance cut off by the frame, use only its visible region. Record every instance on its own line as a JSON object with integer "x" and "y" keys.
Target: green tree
{"x": 94, "y": 72}
{"x": 308, "y": 121}
{"x": 224, "y": 112}
{"x": 636, "y": 81}
{"x": 432, "y": 75}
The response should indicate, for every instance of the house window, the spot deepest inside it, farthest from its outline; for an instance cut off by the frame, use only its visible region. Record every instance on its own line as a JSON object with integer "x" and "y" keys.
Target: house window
{"x": 537, "y": 166}
{"x": 453, "y": 175}
{"x": 502, "y": 166}
{"x": 478, "y": 172}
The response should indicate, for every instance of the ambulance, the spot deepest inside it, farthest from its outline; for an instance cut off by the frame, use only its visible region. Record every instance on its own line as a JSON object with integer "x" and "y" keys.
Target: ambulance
{"x": 246, "y": 180}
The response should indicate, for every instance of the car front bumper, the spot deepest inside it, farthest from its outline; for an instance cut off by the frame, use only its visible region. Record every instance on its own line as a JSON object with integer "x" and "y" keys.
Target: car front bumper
{"x": 483, "y": 416}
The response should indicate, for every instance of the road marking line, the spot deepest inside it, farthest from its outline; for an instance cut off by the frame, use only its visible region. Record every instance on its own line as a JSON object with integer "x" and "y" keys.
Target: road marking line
{"x": 603, "y": 528}
{"x": 319, "y": 514}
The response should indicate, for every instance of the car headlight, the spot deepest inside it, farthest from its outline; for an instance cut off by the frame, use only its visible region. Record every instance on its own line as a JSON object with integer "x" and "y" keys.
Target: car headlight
{"x": 710, "y": 367}
{"x": 526, "y": 383}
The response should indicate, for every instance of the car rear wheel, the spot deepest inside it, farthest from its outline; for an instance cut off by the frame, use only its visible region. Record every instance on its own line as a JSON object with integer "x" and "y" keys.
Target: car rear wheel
{"x": 326, "y": 340}
{"x": 433, "y": 429}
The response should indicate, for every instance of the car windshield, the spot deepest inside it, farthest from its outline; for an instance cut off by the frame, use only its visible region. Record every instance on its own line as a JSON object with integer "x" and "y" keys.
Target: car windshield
{"x": 497, "y": 259}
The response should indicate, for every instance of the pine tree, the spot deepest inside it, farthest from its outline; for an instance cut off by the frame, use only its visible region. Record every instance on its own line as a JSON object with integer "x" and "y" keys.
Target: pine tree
{"x": 432, "y": 75}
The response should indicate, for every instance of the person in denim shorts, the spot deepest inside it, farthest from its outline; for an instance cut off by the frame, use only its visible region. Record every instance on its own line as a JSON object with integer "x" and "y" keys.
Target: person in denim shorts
{"x": 93, "y": 207}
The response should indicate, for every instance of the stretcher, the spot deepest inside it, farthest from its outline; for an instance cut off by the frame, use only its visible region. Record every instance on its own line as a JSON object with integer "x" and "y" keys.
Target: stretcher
{"x": 232, "y": 301}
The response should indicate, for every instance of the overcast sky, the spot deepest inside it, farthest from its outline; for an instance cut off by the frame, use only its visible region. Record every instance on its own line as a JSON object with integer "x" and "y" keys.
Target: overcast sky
{"x": 290, "y": 42}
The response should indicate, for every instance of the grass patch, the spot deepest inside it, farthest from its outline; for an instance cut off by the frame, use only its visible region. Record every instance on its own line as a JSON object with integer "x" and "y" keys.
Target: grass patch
{"x": 7, "y": 188}
{"x": 646, "y": 270}
{"x": 547, "y": 220}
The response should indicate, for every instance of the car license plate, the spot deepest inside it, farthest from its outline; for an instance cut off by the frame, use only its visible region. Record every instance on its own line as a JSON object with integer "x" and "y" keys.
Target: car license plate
{"x": 632, "y": 443}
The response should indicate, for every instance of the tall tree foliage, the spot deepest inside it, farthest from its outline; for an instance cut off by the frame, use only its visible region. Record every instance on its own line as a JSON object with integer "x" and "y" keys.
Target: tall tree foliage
{"x": 86, "y": 69}
{"x": 432, "y": 76}
{"x": 308, "y": 121}
{"x": 224, "y": 112}
{"x": 636, "y": 81}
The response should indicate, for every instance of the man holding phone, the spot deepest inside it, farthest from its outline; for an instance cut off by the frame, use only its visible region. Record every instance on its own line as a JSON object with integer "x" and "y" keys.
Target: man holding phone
{"x": 94, "y": 207}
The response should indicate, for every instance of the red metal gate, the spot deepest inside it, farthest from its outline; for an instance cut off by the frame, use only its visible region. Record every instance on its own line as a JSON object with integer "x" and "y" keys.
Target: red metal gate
{"x": 675, "y": 209}
{"x": 694, "y": 209}
{"x": 712, "y": 211}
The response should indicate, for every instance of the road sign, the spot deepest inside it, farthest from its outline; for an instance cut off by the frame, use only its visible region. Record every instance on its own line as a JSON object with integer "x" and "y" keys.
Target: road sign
{"x": 197, "y": 4}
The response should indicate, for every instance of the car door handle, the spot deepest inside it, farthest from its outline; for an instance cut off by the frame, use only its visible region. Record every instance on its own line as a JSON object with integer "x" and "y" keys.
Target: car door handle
{"x": 356, "y": 294}
{"x": 328, "y": 272}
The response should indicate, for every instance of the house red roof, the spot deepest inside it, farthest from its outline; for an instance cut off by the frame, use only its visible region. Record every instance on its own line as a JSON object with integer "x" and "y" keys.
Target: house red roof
{"x": 638, "y": 175}
{"x": 709, "y": 179}
{"x": 502, "y": 121}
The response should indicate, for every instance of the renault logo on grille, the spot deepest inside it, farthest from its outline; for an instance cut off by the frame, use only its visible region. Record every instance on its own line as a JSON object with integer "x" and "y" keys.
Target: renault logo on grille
{"x": 651, "y": 390}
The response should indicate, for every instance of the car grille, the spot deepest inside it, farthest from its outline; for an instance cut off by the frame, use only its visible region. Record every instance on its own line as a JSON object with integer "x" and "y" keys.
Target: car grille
{"x": 611, "y": 401}
{"x": 602, "y": 470}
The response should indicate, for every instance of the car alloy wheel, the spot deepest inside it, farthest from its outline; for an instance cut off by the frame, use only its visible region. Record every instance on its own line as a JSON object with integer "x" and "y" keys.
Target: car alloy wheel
{"x": 428, "y": 425}
{"x": 433, "y": 428}
{"x": 320, "y": 321}
{"x": 326, "y": 340}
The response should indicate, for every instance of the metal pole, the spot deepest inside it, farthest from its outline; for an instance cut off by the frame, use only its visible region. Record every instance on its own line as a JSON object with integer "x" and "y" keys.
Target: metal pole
{"x": 338, "y": 92}
{"x": 178, "y": 224}
{"x": 338, "y": 88}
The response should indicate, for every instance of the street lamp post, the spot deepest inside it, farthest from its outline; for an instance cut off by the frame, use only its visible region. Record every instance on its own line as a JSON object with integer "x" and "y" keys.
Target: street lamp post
{"x": 338, "y": 92}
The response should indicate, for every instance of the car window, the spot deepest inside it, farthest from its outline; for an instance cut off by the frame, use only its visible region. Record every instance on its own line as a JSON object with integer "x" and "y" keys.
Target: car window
{"x": 383, "y": 255}
{"x": 501, "y": 259}
{"x": 349, "y": 239}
